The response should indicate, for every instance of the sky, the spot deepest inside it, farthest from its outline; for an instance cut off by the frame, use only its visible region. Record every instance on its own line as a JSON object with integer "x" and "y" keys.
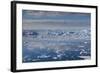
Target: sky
{"x": 33, "y": 18}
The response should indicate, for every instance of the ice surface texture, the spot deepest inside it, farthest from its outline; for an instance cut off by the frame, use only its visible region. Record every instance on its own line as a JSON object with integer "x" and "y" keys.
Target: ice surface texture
{"x": 56, "y": 45}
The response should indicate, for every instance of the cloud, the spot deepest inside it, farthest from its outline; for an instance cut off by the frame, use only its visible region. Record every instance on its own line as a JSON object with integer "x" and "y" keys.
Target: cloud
{"x": 42, "y": 13}
{"x": 32, "y": 18}
{"x": 38, "y": 13}
{"x": 53, "y": 20}
{"x": 61, "y": 23}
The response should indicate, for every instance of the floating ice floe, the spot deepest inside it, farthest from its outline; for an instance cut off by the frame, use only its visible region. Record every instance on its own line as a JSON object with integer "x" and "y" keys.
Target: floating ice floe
{"x": 81, "y": 46}
{"x": 85, "y": 42}
{"x": 54, "y": 57}
{"x": 85, "y": 57}
{"x": 43, "y": 56}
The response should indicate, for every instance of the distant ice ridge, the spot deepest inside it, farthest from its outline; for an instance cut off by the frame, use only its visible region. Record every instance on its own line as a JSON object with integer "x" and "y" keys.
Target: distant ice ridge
{"x": 57, "y": 34}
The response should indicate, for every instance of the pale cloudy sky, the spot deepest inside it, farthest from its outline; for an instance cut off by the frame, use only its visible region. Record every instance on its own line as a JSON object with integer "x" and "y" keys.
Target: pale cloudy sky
{"x": 36, "y": 18}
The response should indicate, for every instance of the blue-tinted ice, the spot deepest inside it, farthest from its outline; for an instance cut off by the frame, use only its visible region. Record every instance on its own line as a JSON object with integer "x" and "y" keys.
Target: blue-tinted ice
{"x": 55, "y": 45}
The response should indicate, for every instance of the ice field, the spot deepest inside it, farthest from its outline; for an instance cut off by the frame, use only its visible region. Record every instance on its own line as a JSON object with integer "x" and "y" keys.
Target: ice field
{"x": 55, "y": 45}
